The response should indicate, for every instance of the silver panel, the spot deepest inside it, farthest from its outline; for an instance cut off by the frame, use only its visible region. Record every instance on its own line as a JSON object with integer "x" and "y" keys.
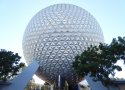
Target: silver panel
{"x": 55, "y": 35}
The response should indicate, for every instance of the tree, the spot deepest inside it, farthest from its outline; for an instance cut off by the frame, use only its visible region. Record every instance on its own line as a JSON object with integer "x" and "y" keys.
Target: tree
{"x": 10, "y": 65}
{"x": 100, "y": 61}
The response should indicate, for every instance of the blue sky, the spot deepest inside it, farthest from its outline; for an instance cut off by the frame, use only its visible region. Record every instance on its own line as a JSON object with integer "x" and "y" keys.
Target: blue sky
{"x": 15, "y": 15}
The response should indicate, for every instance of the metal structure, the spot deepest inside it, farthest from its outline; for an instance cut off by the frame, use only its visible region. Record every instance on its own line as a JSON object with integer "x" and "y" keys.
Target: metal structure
{"x": 55, "y": 35}
{"x": 22, "y": 80}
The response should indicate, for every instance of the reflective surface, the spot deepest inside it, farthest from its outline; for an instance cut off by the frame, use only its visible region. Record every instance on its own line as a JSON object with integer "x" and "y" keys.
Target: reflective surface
{"x": 55, "y": 35}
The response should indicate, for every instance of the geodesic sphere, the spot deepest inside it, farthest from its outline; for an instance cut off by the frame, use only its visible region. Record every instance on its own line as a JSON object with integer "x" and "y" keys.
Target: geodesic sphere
{"x": 55, "y": 35}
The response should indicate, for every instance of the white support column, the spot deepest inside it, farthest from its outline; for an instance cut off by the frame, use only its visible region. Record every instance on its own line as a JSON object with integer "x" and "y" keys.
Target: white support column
{"x": 51, "y": 87}
{"x": 95, "y": 85}
{"x": 22, "y": 79}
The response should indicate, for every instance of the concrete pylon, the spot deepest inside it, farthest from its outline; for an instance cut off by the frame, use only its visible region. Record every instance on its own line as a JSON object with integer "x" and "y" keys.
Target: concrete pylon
{"x": 95, "y": 85}
{"x": 20, "y": 82}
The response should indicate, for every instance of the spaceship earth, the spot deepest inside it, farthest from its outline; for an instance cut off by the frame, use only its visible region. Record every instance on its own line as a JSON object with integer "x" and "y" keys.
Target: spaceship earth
{"x": 55, "y": 35}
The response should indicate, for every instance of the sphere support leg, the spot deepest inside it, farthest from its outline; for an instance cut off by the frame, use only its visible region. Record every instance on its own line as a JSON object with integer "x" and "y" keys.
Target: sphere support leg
{"x": 20, "y": 82}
